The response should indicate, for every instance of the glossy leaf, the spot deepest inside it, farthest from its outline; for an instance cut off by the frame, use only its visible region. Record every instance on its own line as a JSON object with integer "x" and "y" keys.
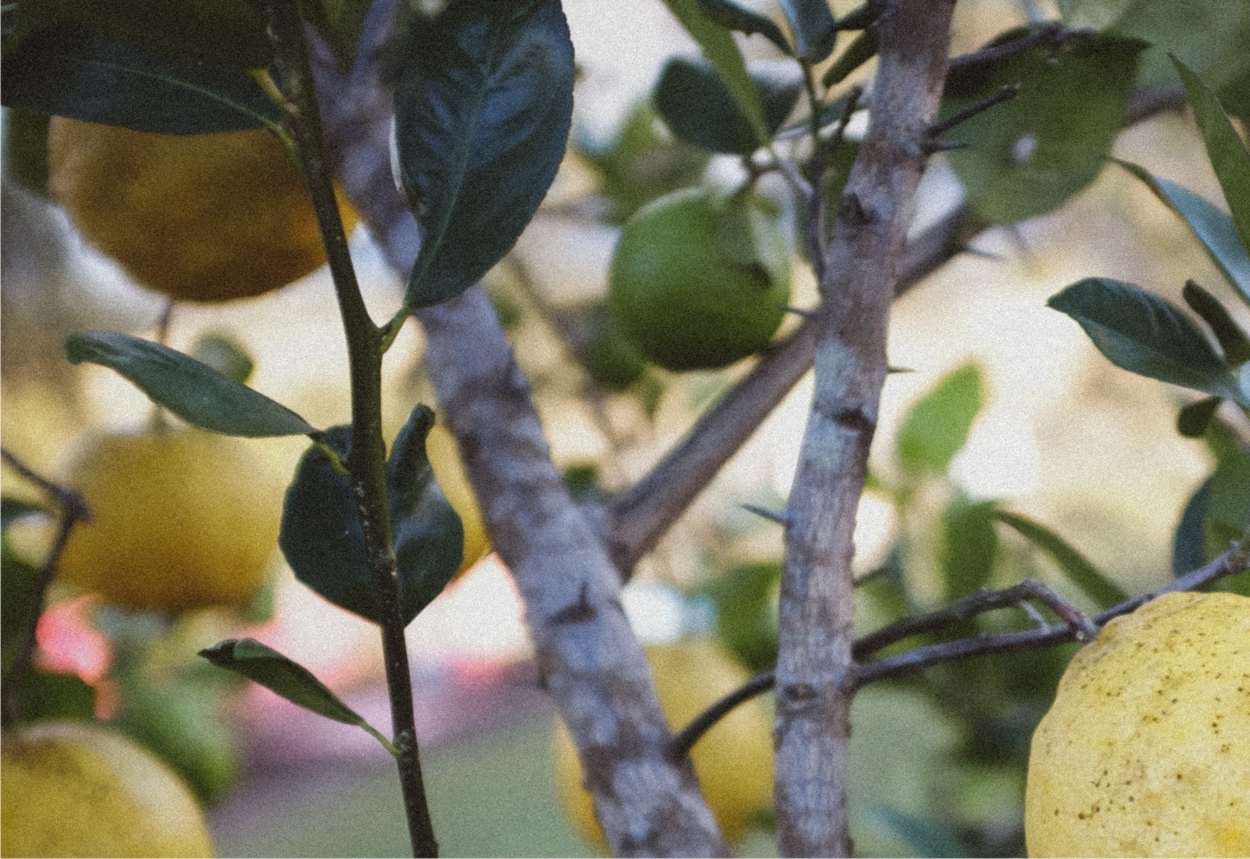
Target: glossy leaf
{"x": 814, "y": 28}
{"x": 190, "y": 389}
{"x": 1231, "y": 337}
{"x": 1193, "y": 419}
{"x": 1211, "y": 224}
{"x": 969, "y": 546}
{"x": 71, "y": 71}
{"x": 692, "y": 100}
{"x": 1093, "y": 583}
{"x": 1147, "y": 335}
{"x": 722, "y": 52}
{"x": 937, "y": 426}
{"x": 736, "y": 15}
{"x": 1229, "y": 157}
{"x": 1189, "y": 542}
{"x": 482, "y": 114}
{"x": 1028, "y": 155}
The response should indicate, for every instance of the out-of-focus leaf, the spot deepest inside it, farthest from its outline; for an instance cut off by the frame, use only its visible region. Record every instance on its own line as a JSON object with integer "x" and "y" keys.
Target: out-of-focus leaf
{"x": 1030, "y": 154}
{"x": 814, "y": 28}
{"x": 746, "y": 621}
{"x": 39, "y": 695}
{"x": 13, "y": 509}
{"x": 224, "y": 355}
{"x": 695, "y": 104}
{"x": 71, "y": 71}
{"x": 1212, "y": 225}
{"x": 25, "y": 149}
{"x": 1192, "y": 420}
{"x": 1188, "y": 544}
{"x": 734, "y": 15}
{"x": 862, "y": 49}
{"x": 926, "y": 836}
{"x": 17, "y": 596}
{"x": 1232, "y": 339}
{"x": 969, "y": 546}
{"x": 937, "y": 426}
{"x": 720, "y": 50}
{"x": 482, "y": 114}
{"x": 341, "y": 22}
{"x": 1093, "y": 582}
{"x": 1229, "y": 156}
{"x": 190, "y": 389}
{"x": 1145, "y": 334}
{"x": 1228, "y": 507}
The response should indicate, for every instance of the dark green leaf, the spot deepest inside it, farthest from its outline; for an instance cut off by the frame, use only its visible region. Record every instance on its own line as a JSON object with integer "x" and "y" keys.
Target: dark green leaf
{"x": 342, "y": 22}
{"x": 1213, "y": 227}
{"x": 969, "y": 546}
{"x": 1228, "y": 508}
{"x": 324, "y": 543}
{"x": 1232, "y": 339}
{"x": 926, "y": 836}
{"x": 25, "y": 153}
{"x": 1030, "y": 154}
{"x": 722, "y": 52}
{"x": 734, "y": 15}
{"x": 224, "y": 355}
{"x": 693, "y": 101}
{"x": 482, "y": 114}
{"x": 746, "y": 618}
{"x": 814, "y": 28}
{"x": 1228, "y": 154}
{"x": 937, "y": 426}
{"x": 1145, "y": 334}
{"x": 12, "y": 509}
{"x": 1192, "y": 420}
{"x": 17, "y": 596}
{"x": 190, "y": 389}
{"x": 1189, "y": 543}
{"x": 53, "y": 696}
{"x": 860, "y": 51}
{"x": 1095, "y": 584}
{"x": 70, "y": 71}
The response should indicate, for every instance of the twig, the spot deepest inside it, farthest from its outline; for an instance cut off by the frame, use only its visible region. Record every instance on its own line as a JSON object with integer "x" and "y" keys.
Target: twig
{"x": 73, "y": 508}
{"x": 1051, "y": 35}
{"x": 367, "y": 461}
{"x": 1006, "y": 93}
{"x": 685, "y": 739}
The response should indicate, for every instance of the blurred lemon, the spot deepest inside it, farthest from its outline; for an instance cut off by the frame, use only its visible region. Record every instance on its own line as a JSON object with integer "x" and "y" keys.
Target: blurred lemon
{"x": 76, "y": 789}
{"x": 201, "y": 217}
{"x": 181, "y": 519}
{"x": 1146, "y": 750}
{"x": 734, "y": 760}
{"x": 698, "y": 281}
{"x": 444, "y": 455}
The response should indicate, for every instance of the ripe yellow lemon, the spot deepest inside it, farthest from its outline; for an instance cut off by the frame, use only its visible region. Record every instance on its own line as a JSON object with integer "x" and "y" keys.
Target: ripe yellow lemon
{"x": 699, "y": 281}
{"x": 201, "y": 217}
{"x": 1146, "y": 750}
{"x": 181, "y": 519}
{"x": 444, "y": 455}
{"x": 734, "y": 760}
{"x": 77, "y": 789}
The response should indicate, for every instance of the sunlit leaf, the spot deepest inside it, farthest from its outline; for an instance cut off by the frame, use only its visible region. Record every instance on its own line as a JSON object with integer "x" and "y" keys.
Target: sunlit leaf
{"x": 937, "y": 426}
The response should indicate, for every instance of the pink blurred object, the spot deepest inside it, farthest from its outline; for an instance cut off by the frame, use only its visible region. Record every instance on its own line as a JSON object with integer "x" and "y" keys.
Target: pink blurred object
{"x": 70, "y": 644}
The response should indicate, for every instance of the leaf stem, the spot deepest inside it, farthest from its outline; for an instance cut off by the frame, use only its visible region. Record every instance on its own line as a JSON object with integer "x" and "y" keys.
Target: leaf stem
{"x": 367, "y": 460}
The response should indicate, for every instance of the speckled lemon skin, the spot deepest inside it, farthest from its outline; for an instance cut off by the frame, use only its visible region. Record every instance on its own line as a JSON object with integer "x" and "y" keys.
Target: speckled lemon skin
{"x": 1146, "y": 750}
{"x": 76, "y": 789}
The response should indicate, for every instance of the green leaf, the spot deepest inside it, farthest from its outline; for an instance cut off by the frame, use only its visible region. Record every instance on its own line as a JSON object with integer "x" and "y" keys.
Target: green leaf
{"x": 322, "y": 538}
{"x": 70, "y": 71}
{"x": 861, "y": 50}
{"x": 734, "y": 15}
{"x": 190, "y": 389}
{"x": 1232, "y": 339}
{"x": 1228, "y": 154}
{"x": 1147, "y": 335}
{"x": 13, "y": 509}
{"x": 694, "y": 103}
{"x": 746, "y": 618}
{"x": 969, "y": 546}
{"x": 341, "y": 23}
{"x": 1189, "y": 542}
{"x": 814, "y": 28}
{"x": 937, "y": 426}
{"x": 17, "y": 597}
{"x": 1095, "y": 584}
{"x": 482, "y": 114}
{"x": 722, "y": 52}
{"x": 1030, "y": 154}
{"x": 1213, "y": 227}
{"x": 286, "y": 678}
{"x": 224, "y": 355}
{"x": 1228, "y": 508}
{"x": 926, "y": 836}
{"x": 40, "y": 695}
{"x": 25, "y": 152}
{"x": 1193, "y": 419}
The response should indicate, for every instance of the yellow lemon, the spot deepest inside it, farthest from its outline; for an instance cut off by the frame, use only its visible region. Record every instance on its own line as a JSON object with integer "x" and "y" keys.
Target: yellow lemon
{"x": 77, "y": 789}
{"x": 201, "y": 217}
{"x": 181, "y": 519}
{"x": 444, "y": 455}
{"x": 1146, "y": 750}
{"x": 734, "y": 760}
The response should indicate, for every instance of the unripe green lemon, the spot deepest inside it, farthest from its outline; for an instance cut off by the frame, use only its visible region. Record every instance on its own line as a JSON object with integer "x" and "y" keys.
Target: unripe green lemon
{"x": 699, "y": 281}
{"x": 77, "y": 789}
{"x": 1146, "y": 750}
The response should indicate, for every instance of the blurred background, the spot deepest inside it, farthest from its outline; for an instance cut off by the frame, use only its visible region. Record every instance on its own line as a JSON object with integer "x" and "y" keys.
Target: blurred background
{"x": 1058, "y": 434}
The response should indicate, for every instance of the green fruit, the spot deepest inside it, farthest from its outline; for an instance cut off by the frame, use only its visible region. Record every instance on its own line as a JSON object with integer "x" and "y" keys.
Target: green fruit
{"x": 611, "y": 357}
{"x": 699, "y": 281}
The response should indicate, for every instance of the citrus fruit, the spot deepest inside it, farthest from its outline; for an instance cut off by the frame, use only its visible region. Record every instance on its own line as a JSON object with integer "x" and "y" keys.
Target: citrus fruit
{"x": 201, "y": 217}
{"x": 444, "y": 455}
{"x": 76, "y": 789}
{"x": 1146, "y": 750}
{"x": 734, "y": 760}
{"x": 699, "y": 281}
{"x": 180, "y": 519}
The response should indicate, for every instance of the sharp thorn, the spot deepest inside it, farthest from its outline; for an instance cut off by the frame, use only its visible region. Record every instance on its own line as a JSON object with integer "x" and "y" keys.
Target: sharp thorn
{"x": 770, "y": 515}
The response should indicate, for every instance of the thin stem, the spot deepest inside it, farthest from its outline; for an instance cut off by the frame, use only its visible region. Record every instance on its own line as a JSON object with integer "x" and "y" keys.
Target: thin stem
{"x": 367, "y": 460}
{"x": 73, "y": 510}
{"x": 1006, "y": 93}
